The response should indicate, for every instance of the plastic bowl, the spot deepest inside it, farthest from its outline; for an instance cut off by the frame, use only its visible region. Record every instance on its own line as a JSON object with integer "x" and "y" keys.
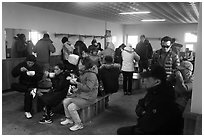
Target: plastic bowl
{"x": 51, "y": 75}
{"x": 30, "y": 73}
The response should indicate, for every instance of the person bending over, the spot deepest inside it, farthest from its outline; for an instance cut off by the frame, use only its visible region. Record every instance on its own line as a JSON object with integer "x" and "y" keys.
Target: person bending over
{"x": 86, "y": 93}
{"x": 29, "y": 73}
{"x": 157, "y": 112}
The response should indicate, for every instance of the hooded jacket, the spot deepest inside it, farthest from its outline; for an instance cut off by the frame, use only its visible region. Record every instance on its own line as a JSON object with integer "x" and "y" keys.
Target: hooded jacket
{"x": 88, "y": 85}
{"x": 128, "y": 57}
{"x": 109, "y": 74}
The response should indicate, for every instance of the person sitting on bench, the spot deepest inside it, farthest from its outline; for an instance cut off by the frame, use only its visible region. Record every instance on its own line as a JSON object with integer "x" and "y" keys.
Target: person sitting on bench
{"x": 55, "y": 96}
{"x": 30, "y": 73}
{"x": 84, "y": 94}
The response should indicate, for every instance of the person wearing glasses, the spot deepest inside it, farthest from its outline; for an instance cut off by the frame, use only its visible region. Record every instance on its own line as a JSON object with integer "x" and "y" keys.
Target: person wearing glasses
{"x": 165, "y": 57}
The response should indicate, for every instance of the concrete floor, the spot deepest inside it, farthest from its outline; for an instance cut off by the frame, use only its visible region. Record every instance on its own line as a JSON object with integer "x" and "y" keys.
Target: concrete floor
{"x": 120, "y": 113}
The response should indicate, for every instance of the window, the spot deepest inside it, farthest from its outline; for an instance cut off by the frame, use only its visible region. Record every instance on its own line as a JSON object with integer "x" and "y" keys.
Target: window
{"x": 190, "y": 40}
{"x": 133, "y": 40}
{"x": 34, "y": 36}
{"x": 189, "y": 46}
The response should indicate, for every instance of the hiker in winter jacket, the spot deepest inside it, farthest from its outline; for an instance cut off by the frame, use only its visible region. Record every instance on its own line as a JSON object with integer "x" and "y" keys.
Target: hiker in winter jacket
{"x": 43, "y": 48}
{"x": 129, "y": 56}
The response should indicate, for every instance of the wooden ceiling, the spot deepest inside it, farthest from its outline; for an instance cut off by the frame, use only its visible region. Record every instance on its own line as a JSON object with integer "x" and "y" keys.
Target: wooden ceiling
{"x": 173, "y": 12}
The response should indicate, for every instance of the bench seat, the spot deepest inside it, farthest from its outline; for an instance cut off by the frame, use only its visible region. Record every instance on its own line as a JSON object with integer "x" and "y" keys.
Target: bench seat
{"x": 86, "y": 113}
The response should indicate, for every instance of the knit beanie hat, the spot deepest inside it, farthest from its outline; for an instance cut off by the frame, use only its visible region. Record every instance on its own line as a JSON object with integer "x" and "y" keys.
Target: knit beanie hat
{"x": 31, "y": 58}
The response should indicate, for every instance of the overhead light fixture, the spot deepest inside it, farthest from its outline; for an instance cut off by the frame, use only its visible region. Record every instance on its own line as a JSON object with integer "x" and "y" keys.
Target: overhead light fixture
{"x": 151, "y": 20}
{"x": 135, "y": 12}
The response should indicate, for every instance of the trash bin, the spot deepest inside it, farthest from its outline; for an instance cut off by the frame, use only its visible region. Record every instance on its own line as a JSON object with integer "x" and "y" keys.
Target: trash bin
{"x": 136, "y": 81}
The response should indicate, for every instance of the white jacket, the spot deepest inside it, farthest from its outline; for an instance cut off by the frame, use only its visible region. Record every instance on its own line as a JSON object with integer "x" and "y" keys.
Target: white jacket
{"x": 129, "y": 56}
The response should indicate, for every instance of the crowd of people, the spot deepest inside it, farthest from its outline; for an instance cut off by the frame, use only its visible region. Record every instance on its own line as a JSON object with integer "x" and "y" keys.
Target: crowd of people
{"x": 78, "y": 78}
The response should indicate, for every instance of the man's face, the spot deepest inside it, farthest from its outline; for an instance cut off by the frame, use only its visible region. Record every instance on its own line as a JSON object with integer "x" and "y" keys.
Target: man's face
{"x": 142, "y": 39}
{"x": 166, "y": 45}
{"x": 30, "y": 63}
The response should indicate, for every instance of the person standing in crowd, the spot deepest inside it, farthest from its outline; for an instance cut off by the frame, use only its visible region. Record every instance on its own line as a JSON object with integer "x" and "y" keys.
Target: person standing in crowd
{"x": 157, "y": 112}
{"x": 19, "y": 46}
{"x": 118, "y": 54}
{"x": 128, "y": 57}
{"x": 109, "y": 74}
{"x": 109, "y": 51}
{"x": 176, "y": 47}
{"x": 144, "y": 50}
{"x": 93, "y": 45}
{"x": 94, "y": 56}
{"x": 67, "y": 49}
{"x": 43, "y": 48}
{"x": 184, "y": 83}
{"x": 80, "y": 48}
{"x": 29, "y": 73}
{"x": 30, "y": 47}
{"x": 99, "y": 47}
{"x": 56, "y": 94}
{"x": 166, "y": 57}
{"x": 86, "y": 93}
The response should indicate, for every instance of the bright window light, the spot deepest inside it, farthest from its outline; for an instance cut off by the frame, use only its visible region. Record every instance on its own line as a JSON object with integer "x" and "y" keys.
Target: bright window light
{"x": 114, "y": 39}
{"x": 133, "y": 40}
{"x": 189, "y": 37}
{"x": 137, "y": 12}
{"x": 152, "y": 20}
{"x": 34, "y": 36}
{"x": 190, "y": 46}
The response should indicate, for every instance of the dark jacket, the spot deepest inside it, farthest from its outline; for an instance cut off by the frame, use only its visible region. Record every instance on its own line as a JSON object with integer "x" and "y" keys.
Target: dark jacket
{"x": 118, "y": 56}
{"x": 158, "y": 112}
{"x": 24, "y": 78}
{"x": 79, "y": 48}
{"x": 59, "y": 82}
{"x": 109, "y": 74}
{"x": 58, "y": 92}
{"x": 18, "y": 49}
{"x": 43, "y": 48}
{"x": 144, "y": 50}
{"x": 169, "y": 60}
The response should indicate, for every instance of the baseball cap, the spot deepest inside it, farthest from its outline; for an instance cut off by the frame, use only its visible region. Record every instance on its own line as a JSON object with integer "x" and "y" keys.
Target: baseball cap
{"x": 156, "y": 71}
{"x": 185, "y": 65}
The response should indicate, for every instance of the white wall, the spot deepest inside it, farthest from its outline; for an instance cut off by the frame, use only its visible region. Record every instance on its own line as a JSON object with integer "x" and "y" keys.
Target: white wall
{"x": 160, "y": 30}
{"x": 19, "y": 16}
{"x": 116, "y": 30}
{"x": 196, "y": 104}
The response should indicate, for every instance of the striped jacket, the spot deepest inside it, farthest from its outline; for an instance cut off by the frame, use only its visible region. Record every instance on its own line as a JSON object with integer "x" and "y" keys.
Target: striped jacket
{"x": 169, "y": 60}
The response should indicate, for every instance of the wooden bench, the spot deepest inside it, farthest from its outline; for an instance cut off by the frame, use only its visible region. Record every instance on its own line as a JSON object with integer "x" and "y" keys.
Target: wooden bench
{"x": 94, "y": 109}
{"x": 86, "y": 113}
